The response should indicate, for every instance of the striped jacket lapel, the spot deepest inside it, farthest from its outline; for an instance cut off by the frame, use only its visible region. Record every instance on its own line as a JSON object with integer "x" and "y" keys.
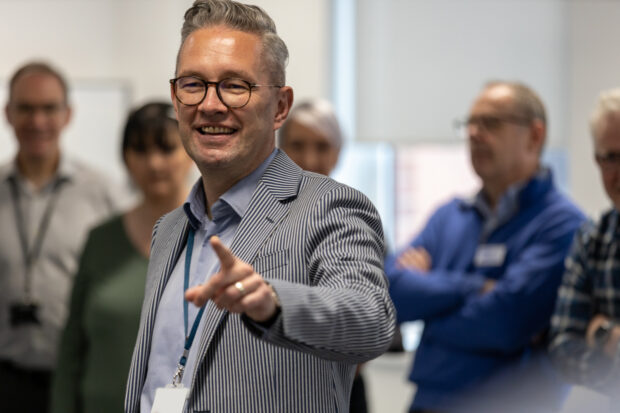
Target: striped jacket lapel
{"x": 171, "y": 236}
{"x": 279, "y": 183}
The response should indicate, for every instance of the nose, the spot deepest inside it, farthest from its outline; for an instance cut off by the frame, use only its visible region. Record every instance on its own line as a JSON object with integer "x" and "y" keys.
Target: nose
{"x": 155, "y": 159}
{"x": 212, "y": 102}
{"x": 38, "y": 118}
{"x": 312, "y": 160}
{"x": 474, "y": 131}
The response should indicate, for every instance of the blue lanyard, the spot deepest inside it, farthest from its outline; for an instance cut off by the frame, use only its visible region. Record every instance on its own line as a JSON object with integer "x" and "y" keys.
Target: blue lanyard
{"x": 189, "y": 339}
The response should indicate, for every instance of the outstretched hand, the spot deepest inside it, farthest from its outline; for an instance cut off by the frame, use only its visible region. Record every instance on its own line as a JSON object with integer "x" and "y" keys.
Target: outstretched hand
{"x": 236, "y": 287}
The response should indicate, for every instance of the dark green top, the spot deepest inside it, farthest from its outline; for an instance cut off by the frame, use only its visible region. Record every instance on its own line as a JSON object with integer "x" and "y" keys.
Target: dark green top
{"x": 98, "y": 341}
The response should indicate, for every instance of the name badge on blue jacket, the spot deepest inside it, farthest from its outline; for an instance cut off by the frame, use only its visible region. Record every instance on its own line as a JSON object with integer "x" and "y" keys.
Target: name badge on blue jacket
{"x": 490, "y": 255}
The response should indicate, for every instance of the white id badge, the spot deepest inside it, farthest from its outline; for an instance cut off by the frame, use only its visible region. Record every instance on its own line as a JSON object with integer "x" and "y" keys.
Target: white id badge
{"x": 170, "y": 399}
{"x": 490, "y": 255}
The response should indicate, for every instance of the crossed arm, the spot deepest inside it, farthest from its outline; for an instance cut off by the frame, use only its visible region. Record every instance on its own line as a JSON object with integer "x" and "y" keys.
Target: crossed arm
{"x": 420, "y": 289}
{"x": 463, "y": 310}
{"x": 518, "y": 308}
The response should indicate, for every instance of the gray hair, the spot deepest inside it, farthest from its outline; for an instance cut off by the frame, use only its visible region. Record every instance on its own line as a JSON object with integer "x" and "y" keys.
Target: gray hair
{"x": 317, "y": 114}
{"x": 608, "y": 102}
{"x": 525, "y": 99}
{"x": 243, "y": 17}
{"x": 39, "y": 68}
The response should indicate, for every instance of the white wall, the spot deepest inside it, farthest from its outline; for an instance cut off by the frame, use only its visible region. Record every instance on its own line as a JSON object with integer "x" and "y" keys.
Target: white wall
{"x": 422, "y": 62}
{"x": 594, "y": 66}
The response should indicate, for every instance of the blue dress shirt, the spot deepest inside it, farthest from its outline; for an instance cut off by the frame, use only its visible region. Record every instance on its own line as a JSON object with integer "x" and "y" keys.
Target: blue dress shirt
{"x": 168, "y": 332}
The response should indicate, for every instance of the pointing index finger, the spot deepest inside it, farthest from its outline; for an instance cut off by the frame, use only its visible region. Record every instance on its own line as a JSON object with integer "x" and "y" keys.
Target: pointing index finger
{"x": 226, "y": 257}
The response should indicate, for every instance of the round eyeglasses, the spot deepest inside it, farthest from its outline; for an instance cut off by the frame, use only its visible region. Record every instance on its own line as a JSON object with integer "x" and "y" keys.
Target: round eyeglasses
{"x": 233, "y": 92}
{"x": 487, "y": 123}
{"x": 609, "y": 161}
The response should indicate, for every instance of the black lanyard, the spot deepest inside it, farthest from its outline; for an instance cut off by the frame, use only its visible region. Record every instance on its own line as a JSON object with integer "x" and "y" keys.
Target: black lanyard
{"x": 31, "y": 255}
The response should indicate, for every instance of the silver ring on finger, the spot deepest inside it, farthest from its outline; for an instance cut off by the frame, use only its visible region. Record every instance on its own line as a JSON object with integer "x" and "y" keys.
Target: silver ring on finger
{"x": 240, "y": 288}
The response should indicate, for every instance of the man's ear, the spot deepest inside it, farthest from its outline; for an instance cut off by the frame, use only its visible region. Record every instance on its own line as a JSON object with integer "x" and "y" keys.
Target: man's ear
{"x": 285, "y": 102}
{"x": 7, "y": 114}
{"x": 538, "y": 134}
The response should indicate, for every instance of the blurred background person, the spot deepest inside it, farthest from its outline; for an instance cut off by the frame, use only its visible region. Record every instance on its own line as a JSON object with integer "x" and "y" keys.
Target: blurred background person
{"x": 484, "y": 272}
{"x": 48, "y": 202}
{"x": 312, "y": 138}
{"x": 585, "y": 327}
{"x": 98, "y": 341}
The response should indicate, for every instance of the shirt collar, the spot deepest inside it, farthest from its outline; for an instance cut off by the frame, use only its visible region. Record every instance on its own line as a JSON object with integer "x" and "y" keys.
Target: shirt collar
{"x": 66, "y": 170}
{"x": 237, "y": 198}
{"x": 511, "y": 200}
{"x": 508, "y": 202}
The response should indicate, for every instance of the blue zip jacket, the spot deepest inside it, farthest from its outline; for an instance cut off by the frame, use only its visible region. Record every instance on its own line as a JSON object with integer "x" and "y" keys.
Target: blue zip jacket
{"x": 470, "y": 337}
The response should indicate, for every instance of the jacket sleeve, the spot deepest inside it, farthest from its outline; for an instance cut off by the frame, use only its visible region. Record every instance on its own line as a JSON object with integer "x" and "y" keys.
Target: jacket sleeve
{"x": 344, "y": 313}
{"x": 422, "y": 296}
{"x": 569, "y": 352}
{"x": 519, "y": 308}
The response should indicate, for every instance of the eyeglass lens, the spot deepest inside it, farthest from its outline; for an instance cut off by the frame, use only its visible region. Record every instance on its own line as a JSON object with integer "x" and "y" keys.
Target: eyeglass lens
{"x": 488, "y": 123}
{"x": 608, "y": 161}
{"x": 233, "y": 93}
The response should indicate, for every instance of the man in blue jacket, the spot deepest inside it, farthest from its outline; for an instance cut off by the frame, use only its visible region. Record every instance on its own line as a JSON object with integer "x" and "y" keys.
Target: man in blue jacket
{"x": 484, "y": 272}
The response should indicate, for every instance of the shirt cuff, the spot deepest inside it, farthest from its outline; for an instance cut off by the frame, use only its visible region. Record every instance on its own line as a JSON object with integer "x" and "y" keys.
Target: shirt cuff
{"x": 262, "y": 328}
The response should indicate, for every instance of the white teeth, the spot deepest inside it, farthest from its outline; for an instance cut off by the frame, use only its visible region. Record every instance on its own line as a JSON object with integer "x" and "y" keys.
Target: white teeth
{"x": 215, "y": 129}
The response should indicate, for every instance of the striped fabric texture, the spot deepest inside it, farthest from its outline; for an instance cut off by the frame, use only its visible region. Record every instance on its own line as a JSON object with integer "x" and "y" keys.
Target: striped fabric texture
{"x": 320, "y": 245}
{"x": 591, "y": 285}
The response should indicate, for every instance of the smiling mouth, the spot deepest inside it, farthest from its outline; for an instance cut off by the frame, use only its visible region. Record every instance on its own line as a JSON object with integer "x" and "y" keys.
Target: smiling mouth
{"x": 215, "y": 130}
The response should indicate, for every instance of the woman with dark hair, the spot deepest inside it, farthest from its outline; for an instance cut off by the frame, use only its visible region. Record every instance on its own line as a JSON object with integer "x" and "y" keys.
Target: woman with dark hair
{"x": 99, "y": 337}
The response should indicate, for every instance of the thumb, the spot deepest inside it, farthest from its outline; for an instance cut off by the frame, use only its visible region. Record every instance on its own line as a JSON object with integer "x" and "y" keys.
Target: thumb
{"x": 226, "y": 257}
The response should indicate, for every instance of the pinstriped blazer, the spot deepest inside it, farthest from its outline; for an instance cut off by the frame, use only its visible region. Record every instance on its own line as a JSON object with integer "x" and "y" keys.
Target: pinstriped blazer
{"x": 320, "y": 244}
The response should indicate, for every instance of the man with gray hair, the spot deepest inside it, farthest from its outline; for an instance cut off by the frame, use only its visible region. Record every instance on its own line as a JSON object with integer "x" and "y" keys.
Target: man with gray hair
{"x": 48, "y": 203}
{"x": 283, "y": 267}
{"x": 586, "y": 324}
{"x": 484, "y": 272}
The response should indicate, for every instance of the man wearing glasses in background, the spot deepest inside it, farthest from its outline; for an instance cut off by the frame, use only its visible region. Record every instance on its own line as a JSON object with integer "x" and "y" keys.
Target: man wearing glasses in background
{"x": 282, "y": 268}
{"x": 48, "y": 202}
{"x": 585, "y": 328}
{"x": 484, "y": 272}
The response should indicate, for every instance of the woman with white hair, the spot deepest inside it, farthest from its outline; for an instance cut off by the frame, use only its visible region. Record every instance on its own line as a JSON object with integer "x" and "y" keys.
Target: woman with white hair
{"x": 311, "y": 136}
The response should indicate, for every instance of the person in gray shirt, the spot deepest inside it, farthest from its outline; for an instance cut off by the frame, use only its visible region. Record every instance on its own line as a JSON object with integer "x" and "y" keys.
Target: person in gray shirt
{"x": 48, "y": 203}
